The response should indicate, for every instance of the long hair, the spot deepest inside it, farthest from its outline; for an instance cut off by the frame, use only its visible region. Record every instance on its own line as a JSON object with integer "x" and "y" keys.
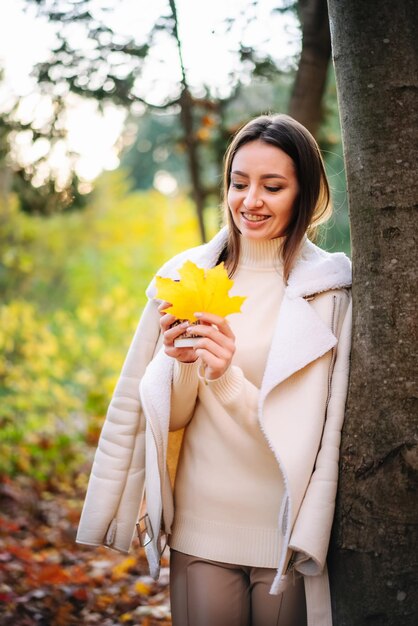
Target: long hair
{"x": 313, "y": 203}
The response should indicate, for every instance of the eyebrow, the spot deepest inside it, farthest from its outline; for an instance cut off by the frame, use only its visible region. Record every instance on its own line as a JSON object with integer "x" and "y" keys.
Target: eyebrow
{"x": 239, "y": 173}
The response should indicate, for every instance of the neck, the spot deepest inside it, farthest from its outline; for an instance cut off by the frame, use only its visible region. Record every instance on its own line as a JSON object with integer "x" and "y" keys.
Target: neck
{"x": 263, "y": 253}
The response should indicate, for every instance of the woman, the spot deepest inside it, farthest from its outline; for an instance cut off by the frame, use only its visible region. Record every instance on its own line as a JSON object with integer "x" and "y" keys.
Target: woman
{"x": 258, "y": 402}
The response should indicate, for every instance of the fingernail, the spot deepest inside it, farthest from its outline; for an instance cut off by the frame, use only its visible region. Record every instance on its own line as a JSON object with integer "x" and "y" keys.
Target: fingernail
{"x": 198, "y": 314}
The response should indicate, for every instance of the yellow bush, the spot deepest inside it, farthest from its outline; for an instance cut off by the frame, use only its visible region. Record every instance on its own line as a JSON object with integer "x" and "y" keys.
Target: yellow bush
{"x": 65, "y": 328}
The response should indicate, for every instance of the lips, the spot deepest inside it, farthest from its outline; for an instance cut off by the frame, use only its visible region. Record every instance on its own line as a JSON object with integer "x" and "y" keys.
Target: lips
{"x": 253, "y": 217}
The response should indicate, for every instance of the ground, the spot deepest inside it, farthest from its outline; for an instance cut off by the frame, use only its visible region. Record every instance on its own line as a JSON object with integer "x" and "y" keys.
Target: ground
{"x": 48, "y": 580}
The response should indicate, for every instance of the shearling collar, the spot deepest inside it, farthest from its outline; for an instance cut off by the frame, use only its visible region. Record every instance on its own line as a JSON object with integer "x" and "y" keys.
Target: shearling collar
{"x": 315, "y": 270}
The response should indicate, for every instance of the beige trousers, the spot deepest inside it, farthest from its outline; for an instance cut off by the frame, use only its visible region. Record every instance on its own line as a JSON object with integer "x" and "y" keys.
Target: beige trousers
{"x": 208, "y": 593}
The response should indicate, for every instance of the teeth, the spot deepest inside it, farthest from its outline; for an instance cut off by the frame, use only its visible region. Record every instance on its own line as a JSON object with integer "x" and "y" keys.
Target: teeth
{"x": 254, "y": 218}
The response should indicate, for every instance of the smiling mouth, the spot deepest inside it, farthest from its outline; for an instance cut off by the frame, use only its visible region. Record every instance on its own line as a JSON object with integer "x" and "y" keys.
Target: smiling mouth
{"x": 251, "y": 217}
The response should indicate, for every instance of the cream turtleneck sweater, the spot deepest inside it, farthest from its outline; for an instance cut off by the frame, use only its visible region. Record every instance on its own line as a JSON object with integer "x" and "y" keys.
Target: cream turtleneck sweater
{"x": 228, "y": 487}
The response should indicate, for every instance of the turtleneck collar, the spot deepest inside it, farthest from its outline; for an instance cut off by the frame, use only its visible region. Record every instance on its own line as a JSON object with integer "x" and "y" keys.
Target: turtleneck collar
{"x": 260, "y": 253}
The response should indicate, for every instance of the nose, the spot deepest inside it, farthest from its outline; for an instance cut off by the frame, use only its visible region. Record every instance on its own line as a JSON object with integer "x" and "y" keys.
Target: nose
{"x": 252, "y": 201}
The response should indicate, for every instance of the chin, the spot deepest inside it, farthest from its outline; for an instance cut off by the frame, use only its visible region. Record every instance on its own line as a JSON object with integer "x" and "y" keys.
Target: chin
{"x": 257, "y": 236}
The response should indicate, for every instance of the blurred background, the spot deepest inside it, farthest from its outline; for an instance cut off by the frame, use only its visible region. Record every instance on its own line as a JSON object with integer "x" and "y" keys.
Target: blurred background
{"x": 114, "y": 117}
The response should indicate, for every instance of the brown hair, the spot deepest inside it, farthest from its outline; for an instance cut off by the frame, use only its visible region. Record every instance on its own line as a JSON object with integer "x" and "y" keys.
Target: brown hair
{"x": 313, "y": 204}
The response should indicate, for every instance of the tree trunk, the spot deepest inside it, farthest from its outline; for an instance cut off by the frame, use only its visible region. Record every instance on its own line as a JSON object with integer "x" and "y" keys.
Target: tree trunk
{"x": 190, "y": 139}
{"x": 198, "y": 192}
{"x": 373, "y": 558}
{"x": 308, "y": 89}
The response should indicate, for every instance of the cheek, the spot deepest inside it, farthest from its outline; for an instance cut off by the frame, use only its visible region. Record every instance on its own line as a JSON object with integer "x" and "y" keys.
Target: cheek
{"x": 231, "y": 199}
{"x": 290, "y": 202}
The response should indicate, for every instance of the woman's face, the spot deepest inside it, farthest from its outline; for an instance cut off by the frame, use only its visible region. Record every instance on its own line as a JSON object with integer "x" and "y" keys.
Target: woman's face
{"x": 262, "y": 191}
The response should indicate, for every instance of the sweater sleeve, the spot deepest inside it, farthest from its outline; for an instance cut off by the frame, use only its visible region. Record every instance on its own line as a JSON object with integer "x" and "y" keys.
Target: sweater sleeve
{"x": 183, "y": 394}
{"x": 235, "y": 393}
{"x": 312, "y": 529}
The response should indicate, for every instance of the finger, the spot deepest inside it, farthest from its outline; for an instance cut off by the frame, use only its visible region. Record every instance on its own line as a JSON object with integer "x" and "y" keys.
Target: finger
{"x": 220, "y": 322}
{"x": 166, "y": 320}
{"x": 164, "y": 305}
{"x": 213, "y": 348}
{"x": 173, "y": 332}
{"x": 213, "y": 332}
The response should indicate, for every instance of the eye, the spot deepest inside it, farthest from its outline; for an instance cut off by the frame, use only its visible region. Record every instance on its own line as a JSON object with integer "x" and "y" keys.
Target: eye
{"x": 238, "y": 186}
{"x": 273, "y": 189}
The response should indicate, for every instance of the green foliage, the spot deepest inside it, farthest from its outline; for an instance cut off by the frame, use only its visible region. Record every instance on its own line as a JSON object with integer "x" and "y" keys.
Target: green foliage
{"x": 156, "y": 147}
{"x": 66, "y": 323}
{"x": 16, "y": 237}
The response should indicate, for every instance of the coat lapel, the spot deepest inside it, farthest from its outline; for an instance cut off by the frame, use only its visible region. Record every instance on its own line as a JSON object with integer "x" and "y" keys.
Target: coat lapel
{"x": 300, "y": 337}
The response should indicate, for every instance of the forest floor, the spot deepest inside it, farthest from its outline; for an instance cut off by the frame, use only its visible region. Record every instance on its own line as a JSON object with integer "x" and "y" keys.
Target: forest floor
{"x": 46, "y": 579}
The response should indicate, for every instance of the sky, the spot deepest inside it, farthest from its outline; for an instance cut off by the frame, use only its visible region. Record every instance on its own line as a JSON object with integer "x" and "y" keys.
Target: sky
{"x": 207, "y": 52}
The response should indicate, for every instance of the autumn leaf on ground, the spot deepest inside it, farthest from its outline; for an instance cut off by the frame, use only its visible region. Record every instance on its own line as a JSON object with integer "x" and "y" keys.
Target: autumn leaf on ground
{"x": 144, "y": 589}
{"x": 199, "y": 290}
{"x": 121, "y": 569}
{"x": 46, "y": 578}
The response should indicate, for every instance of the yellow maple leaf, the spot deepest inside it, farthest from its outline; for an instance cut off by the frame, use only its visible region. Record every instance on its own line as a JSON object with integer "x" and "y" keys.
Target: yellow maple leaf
{"x": 199, "y": 290}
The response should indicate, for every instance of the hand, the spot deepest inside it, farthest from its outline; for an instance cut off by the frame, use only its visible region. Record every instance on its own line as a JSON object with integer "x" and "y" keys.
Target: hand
{"x": 170, "y": 333}
{"x": 216, "y": 346}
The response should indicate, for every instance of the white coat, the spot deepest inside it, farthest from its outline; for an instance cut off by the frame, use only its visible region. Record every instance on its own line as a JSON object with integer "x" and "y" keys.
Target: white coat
{"x": 301, "y": 411}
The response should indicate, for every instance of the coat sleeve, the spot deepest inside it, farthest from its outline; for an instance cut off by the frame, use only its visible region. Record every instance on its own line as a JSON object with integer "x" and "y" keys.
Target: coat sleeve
{"x": 116, "y": 484}
{"x": 312, "y": 528}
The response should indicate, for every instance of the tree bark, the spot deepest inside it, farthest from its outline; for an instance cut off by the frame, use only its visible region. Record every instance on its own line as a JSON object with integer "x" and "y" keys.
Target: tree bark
{"x": 190, "y": 139}
{"x": 198, "y": 192}
{"x": 373, "y": 557}
{"x": 308, "y": 90}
